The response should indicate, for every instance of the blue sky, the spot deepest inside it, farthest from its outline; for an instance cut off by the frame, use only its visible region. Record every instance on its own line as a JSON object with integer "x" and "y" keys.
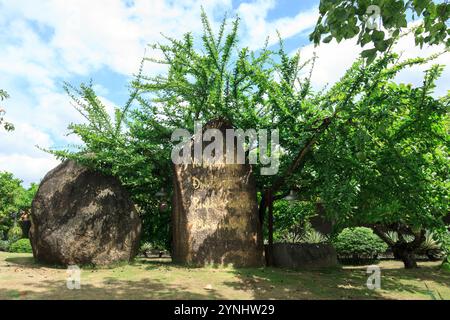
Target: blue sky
{"x": 44, "y": 43}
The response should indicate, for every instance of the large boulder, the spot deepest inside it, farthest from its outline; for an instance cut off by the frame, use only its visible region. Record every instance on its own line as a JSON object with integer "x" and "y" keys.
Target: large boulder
{"x": 80, "y": 216}
{"x": 215, "y": 213}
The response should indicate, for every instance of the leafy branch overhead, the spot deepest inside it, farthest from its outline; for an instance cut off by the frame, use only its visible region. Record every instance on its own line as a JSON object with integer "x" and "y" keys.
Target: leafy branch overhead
{"x": 380, "y": 22}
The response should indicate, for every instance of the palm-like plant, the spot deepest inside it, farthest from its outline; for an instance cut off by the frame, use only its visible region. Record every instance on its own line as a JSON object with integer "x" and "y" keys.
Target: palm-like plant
{"x": 431, "y": 247}
{"x": 313, "y": 236}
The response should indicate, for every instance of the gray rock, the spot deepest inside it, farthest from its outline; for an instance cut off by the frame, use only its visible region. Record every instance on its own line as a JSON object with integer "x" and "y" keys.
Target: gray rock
{"x": 80, "y": 216}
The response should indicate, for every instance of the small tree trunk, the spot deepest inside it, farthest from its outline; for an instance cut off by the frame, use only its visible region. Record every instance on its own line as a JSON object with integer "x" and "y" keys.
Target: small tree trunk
{"x": 269, "y": 202}
{"x": 262, "y": 209}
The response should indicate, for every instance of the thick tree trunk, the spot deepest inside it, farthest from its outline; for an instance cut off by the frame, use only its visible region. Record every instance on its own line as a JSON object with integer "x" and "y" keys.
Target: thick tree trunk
{"x": 402, "y": 250}
{"x": 406, "y": 255}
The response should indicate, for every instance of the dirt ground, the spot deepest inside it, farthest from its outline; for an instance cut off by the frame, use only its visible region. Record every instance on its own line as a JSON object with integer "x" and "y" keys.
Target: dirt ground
{"x": 22, "y": 278}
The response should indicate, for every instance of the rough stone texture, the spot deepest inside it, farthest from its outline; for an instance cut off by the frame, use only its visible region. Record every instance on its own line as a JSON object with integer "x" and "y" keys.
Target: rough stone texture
{"x": 215, "y": 214}
{"x": 306, "y": 255}
{"x": 83, "y": 217}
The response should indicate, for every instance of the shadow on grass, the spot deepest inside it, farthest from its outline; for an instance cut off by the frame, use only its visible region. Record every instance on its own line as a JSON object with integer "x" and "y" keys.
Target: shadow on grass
{"x": 154, "y": 263}
{"x": 257, "y": 283}
{"x": 22, "y": 261}
{"x": 109, "y": 288}
{"x": 106, "y": 286}
{"x": 337, "y": 283}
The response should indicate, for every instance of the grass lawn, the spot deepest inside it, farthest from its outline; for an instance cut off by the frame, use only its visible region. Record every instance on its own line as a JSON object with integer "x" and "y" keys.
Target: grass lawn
{"x": 22, "y": 278}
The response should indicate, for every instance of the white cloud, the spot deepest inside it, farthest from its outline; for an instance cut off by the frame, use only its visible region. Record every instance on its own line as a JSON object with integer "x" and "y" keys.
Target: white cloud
{"x": 258, "y": 28}
{"x": 19, "y": 154}
{"x": 28, "y": 169}
{"x": 88, "y": 35}
{"x": 334, "y": 59}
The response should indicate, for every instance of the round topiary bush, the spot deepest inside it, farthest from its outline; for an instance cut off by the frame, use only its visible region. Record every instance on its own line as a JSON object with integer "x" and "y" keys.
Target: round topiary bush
{"x": 21, "y": 246}
{"x": 358, "y": 245}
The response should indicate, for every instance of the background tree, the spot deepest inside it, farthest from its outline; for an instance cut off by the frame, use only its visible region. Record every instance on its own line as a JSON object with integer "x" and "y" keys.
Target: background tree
{"x": 14, "y": 199}
{"x": 379, "y": 22}
{"x": 390, "y": 170}
{"x": 6, "y": 125}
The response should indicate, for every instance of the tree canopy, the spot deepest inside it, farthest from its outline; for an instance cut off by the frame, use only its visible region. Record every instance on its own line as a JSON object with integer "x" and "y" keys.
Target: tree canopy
{"x": 390, "y": 168}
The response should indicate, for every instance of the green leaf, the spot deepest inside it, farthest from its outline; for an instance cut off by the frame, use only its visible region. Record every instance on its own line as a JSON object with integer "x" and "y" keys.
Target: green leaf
{"x": 328, "y": 39}
{"x": 369, "y": 54}
{"x": 377, "y": 35}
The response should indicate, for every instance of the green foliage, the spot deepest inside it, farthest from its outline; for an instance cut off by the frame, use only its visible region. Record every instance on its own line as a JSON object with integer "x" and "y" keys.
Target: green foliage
{"x": 390, "y": 154}
{"x": 446, "y": 264}
{"x": 308, "y": 236}
{"x": 13, "y": 199}
{"x": 145, "y": 247}
{"x": 129, "y": 147}
{"x": 21, "y": 246}
{"x": 431, "y": 243}
{"x": 314, "y": 236}
{"x": 393, "y": 236}
{"x": 291, "y": 220}
{"x": 6, "y": 125}
{"x": 359, "y": 243}
{"x": 431, "y": 246}
{"x": 4, "y": 245}
{"x": 443, "y": 235}
{"x": 14, "y": 234}
{"x": 346, "y": 19}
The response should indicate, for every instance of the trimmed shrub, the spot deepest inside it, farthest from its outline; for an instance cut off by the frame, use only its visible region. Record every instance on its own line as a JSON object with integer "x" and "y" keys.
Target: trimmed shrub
{"x": 358, "y": 245}
{"x": 14, "y": 234}
{"x": 21, "y": 246}
{"x": 4, "y": 245}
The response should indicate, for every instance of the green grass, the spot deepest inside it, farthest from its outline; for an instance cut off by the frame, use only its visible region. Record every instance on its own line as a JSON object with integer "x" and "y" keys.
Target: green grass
{"x": 22, "y": 278}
